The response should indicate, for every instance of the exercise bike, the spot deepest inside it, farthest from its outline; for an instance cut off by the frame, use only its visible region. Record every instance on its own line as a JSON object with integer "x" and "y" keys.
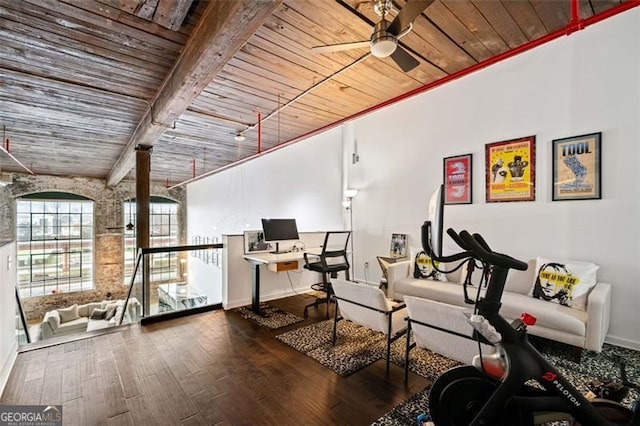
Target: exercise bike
{"x": 494, "y": 390}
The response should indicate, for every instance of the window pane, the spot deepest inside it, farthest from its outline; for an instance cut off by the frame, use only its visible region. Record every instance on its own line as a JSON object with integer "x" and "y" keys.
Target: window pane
{"x": 37, "y": 226}
{"x": 75, "y": 207}
{"x": 63, "y": 206}
{"x": 23, "y": 206}
{"x": 49, "y": 207}
{"x": 37, "y": 207}
{"x": 22, "y": 233}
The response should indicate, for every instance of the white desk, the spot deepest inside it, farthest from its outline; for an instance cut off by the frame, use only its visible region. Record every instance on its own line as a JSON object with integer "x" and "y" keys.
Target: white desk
{"x": 276, "y": 263}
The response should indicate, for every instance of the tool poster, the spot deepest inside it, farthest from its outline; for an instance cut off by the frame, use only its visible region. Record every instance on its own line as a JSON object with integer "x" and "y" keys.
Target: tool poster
{"x": 576, "y": 168}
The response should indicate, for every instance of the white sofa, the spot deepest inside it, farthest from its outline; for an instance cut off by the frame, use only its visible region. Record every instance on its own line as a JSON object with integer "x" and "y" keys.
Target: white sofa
{"x": 77, "y": 318}
{"x": 583, "y": 329}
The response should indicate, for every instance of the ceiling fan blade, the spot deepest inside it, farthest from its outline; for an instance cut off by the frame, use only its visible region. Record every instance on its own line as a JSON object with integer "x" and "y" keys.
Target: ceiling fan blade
{"x": 411, "y": 10}
{"x": 338, "y": 47}
{"x": 404, "y": 59}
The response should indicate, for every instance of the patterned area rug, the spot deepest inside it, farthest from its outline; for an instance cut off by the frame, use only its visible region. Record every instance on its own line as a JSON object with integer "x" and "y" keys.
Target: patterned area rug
{"x": 270, "y": 316}
{"x": 356, "y": 346}
{"x": 592, "y": 366}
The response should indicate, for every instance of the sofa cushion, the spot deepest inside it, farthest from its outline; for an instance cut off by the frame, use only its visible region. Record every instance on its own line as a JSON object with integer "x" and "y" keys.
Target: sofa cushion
{"x": 444, "y": 292}
{"x": 566, "y": 282}
{"x": 517, "y": 281}
{"x": 73, "y": 326}
{"x": 53, "y": 318}
{"x": 548, "y": 315}
{"x": 520, "y": 281}
{"x": 68, "y": 314}
{"x": 110, "y": 311}
{"x": 86, "y": 309}
{"x": 98, "y": 314}
{"x": 98, "y": 324}
{"x": 424, "y": 267}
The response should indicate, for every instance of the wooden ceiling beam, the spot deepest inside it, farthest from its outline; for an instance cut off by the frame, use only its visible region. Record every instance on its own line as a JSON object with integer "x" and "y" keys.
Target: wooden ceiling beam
{"x": 171, "y": 13}
{"x": 223, "y": 29}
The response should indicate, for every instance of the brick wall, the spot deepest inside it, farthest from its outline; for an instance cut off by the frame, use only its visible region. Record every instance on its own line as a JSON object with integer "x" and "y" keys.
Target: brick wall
{"x": 108, "y": 237}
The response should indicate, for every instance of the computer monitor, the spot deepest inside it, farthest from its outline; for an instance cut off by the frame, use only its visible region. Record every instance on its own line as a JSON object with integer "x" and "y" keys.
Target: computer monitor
{"x": 277, "y": 230}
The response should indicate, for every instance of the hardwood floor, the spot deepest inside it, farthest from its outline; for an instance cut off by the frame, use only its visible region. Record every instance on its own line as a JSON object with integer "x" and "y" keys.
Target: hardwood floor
{"x": 206, "y": 369}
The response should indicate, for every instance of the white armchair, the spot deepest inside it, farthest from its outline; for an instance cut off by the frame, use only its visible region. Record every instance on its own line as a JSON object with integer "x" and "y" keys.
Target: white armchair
{"x": 368, "y": 306}
{"x": 440, "y": 328}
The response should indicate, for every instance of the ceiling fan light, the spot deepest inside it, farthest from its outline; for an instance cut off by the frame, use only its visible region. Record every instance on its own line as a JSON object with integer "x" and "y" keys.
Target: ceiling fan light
{"x": 239, "y": 137}
{"x": 383, "y": 46}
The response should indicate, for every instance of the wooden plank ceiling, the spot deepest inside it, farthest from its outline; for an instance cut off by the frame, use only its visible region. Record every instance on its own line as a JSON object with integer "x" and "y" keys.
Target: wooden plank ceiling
{"x": 83, "y": 81}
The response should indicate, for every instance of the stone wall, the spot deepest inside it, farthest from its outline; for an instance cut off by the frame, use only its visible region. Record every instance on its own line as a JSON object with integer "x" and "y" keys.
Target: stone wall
{"x": 108, "y": 231}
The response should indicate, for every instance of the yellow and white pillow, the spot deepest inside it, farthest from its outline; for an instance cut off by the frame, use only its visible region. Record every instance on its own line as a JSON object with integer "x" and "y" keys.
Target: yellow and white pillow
{"x": 425, "y": 267}
{"x": 567, "y": 282}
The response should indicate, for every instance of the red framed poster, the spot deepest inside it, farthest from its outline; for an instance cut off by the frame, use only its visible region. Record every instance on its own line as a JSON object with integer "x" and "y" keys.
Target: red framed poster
{"x": 457, "y": 179}
{"x": 510, "y": 170}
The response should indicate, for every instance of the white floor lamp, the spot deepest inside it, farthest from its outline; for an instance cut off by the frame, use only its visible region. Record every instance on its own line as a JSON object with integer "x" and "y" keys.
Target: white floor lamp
{"x": 350, "y": 194}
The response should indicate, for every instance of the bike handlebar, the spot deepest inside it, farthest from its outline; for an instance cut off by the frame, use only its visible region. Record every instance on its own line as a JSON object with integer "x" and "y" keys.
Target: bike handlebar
{"x": 479, "y": 247}
{"x": 426, "y": 245}
{"x": 483, "y": 242}
{"x": 473, "y": 246}
{"x": 456, "y": 239}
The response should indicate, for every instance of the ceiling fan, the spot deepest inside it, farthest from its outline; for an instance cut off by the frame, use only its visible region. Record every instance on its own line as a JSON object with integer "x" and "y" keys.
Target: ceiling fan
{"x": 385, "y": 35}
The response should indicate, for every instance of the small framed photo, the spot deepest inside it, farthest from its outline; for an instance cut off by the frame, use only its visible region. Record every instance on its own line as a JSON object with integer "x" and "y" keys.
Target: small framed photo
{"x": 576, "y": 168}
{"x": 254, "y": 242}
{"x": 457, "y": 179}
{"x": 398, "y": 245}
{"x": 510, "y": 170}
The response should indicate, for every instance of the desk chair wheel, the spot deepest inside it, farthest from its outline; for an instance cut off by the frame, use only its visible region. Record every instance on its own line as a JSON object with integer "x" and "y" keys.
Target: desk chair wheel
{"x": 316, "y": 305}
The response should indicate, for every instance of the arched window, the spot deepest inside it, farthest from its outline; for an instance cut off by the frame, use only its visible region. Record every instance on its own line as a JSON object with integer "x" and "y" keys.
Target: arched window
{"x": 163, "y": 227}
{"x": 55, "y": 243}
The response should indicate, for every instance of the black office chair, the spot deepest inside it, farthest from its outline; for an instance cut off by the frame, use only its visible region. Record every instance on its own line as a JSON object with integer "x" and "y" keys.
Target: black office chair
{"x": 332, "y": 260}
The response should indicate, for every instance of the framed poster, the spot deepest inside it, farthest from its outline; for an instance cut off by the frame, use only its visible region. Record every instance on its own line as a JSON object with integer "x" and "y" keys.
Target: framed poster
{"x": 576, "y": 168}
{"x": 510, "y": 170}
{"x": 457, "y": 179}
{"x": 254, "y": 242}
{"x": 398, "y": 245}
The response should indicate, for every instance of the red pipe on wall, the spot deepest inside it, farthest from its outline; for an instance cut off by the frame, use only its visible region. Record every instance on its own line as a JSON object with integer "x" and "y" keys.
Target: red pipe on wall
{"x": 193, "y": 167}
{"x": 259, "y": 133}
{"x": 575, "y": 7}
{"x": 571, "y": 27}
{"x": 575, "y": 24}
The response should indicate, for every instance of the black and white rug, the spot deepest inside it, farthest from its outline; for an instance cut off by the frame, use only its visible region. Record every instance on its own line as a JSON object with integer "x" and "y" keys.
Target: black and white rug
{"x": 270, "y": 316}
{"x": 602, "y": 366}
{"x": 355, "y": 348}
{"x": 358, "y": 346}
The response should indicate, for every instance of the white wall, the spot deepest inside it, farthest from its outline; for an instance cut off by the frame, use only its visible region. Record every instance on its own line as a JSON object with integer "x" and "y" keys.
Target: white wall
{"x": 302, "y": 181}
{"x": 587, "y": 82}
{"x": 8, "y": 340}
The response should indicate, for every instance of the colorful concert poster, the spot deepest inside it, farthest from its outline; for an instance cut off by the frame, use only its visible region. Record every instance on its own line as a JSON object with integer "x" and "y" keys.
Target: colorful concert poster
{"x": 576, "y": 168}
{"x": 510, "y": 170}
{"x": 457, "y": 179}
